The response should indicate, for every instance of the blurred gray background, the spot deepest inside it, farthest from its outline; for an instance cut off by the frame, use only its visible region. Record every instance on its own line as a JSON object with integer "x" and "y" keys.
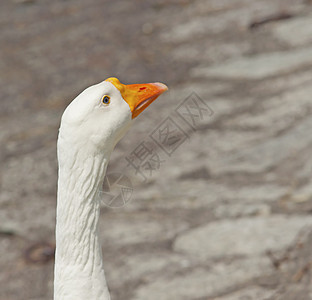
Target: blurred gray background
{"x": 227, "y": 215}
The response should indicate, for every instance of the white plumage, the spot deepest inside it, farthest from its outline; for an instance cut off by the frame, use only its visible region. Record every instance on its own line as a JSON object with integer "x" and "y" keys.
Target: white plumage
{"x": 90, "y": 128}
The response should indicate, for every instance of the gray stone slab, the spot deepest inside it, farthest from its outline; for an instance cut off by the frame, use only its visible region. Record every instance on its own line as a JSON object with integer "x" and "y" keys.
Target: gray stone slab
{"x": 233, "y": 15}
{"x": 126, "y": 229}
{"x": 138, "y": 266}
{"x": 276, "y": 113}
{"x": 250, "y": 293}
{"x": 242, "y": 210}
{"x": 202, "y": 282}
{"x": 269, "y": 152}
{"x": 258, "y": 66}
{"x": 295, "y": 32}
{"x": 246, "y": 236}
{"x": 254, "y": 194}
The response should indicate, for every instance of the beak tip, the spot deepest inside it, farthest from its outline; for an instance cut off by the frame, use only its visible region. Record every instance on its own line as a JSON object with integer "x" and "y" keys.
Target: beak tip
{"x": 162, "y": 86}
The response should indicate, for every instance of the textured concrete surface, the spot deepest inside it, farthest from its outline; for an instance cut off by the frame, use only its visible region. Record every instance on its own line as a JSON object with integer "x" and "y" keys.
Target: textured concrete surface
{"x": 225, "y": 212}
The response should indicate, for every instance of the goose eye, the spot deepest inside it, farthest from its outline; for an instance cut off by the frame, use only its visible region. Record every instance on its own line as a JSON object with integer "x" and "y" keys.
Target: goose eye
{"x": 106, "y": 100}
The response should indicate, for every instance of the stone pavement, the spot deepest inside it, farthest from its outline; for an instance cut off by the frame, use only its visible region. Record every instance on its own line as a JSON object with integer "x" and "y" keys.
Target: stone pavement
{"x": 227, "y": 213}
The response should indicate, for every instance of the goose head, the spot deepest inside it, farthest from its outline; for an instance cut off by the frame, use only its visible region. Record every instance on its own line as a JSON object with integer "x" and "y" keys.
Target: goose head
{"x": 100, "y": 116}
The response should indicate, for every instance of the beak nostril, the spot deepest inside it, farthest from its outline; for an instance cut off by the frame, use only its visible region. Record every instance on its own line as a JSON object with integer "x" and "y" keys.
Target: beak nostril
{"x": 142, "y": 88}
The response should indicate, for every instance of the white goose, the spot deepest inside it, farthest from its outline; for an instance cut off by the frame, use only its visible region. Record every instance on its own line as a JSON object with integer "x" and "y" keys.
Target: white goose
{"x": 90, "y": 128}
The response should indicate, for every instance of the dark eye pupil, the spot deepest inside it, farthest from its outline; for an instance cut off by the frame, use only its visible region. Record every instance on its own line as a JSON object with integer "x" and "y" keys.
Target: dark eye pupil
{"x": 106, "y": 99}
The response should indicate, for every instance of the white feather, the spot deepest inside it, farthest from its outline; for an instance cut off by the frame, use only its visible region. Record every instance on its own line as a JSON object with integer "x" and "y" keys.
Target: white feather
{"x": 88, "y": 133}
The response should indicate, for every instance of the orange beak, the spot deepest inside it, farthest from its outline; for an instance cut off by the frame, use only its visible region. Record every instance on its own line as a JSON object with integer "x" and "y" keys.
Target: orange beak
{"x": 138, "y": 96}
